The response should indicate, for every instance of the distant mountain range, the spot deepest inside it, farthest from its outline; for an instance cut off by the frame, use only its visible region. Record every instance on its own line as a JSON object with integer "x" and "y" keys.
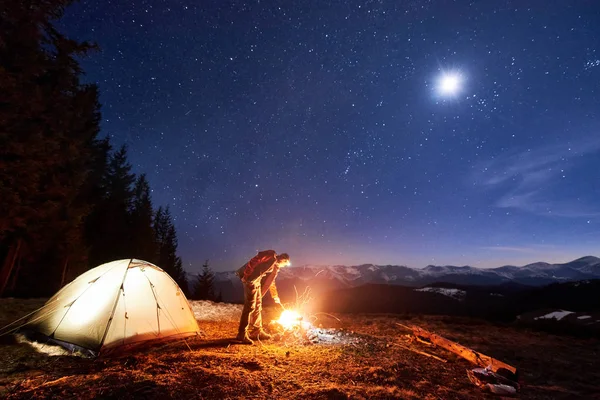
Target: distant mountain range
{"x": 322, "y": 279}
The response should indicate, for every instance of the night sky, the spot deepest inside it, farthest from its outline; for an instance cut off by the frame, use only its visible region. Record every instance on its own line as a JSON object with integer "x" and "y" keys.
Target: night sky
{"x": 349, "y": 132}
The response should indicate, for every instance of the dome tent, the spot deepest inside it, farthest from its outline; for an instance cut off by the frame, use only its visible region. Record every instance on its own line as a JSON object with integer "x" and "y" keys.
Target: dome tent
{"x": 116, "y": 304}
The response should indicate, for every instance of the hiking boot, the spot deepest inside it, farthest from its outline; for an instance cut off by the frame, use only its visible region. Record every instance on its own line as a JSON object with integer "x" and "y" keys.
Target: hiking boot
{"x": 260, "y": 334}
{"x": 243, "y": 338}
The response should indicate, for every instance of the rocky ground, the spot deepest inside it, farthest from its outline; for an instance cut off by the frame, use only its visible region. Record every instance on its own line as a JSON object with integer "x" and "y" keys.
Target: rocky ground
{"x": 350, "y": 356}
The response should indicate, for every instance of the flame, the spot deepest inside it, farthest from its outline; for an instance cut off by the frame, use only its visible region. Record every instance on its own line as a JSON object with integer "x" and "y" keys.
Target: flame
{"x": 289, "y": 319}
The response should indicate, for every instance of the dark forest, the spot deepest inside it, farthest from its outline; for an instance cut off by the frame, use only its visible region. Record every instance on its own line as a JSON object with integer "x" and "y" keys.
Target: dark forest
{"x": 69, "y": 200}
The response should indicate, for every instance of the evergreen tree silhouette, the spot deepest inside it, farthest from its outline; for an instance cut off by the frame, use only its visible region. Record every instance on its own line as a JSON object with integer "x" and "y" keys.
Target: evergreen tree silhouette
{"x": 204, "y": 285}
{"x": 166, "y": 247}
{"x": 143, "y": 243}
{"x": 111, "y": 229}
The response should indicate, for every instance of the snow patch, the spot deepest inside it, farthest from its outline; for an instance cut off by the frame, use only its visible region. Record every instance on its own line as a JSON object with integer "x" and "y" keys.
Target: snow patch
{"x": 49, "y": 349}
{"x": 352, "y": 271}
{"x": 454, "y": 293}
{"x": 584, "y": 317}
{"x": 557, "y": 315}
{"x": 205, "y": 310}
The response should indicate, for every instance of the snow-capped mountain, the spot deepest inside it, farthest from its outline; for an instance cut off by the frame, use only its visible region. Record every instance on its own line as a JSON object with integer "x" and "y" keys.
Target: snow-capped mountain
{"x": 352, "y": 275}
{"x": 332, "y": 277}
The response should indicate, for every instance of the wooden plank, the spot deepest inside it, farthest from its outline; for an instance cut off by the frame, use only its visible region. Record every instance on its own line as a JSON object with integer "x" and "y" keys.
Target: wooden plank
{"x": 420, "y": 352}
{"x": 474, "y": 356}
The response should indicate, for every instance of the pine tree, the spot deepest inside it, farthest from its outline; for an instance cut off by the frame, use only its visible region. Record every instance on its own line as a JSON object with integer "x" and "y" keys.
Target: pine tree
{"x": 109, "y": 229}
{"x": 120, "y": 180}
{"x": 180, "y": 276}
{"x": 204, "y": 285}
{"x": 48, "y": 125}
{"x": 97, "y": 193}
{"x": 166, "y": 240}
{"x": 143, "y": 245}
{"x": 160, "y": 226}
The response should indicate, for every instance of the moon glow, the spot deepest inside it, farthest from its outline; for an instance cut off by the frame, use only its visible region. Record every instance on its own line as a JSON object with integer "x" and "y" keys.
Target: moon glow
{"x": 449, "y": 84}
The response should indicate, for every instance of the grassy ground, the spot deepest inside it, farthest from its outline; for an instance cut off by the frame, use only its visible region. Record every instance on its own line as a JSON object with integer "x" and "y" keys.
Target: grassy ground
{"x": 366, "y": 358}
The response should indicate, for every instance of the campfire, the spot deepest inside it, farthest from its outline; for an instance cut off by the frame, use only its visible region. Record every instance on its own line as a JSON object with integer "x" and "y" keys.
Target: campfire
{"x": 291, "y": 319}
{"x": 294, "y": 326}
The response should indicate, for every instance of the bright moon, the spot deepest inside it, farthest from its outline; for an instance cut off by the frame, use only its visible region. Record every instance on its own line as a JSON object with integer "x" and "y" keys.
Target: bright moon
{"x": 449, "y": 84}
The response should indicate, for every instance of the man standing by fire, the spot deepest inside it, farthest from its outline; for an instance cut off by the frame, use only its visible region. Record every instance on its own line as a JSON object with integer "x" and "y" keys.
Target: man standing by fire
{"x": 258, "y": 275}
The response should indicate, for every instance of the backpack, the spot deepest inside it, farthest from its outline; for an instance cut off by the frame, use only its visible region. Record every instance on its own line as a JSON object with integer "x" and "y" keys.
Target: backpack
{"x": 258, "y": 259}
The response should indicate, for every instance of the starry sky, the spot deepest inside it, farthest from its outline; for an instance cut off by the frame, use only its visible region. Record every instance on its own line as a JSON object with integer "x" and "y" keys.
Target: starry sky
{"x": 347, "y": 132}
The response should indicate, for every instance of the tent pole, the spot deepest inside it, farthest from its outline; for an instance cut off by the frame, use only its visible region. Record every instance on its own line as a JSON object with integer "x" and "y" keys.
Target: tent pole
{"x": 156, "y": 300}
{"x": 112, "y": 314}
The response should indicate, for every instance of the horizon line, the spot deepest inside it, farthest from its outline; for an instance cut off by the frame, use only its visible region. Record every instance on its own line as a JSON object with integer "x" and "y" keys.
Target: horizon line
{"x": 429, "y": 265}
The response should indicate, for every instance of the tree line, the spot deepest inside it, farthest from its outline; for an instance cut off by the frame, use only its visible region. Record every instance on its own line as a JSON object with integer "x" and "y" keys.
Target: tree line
{"x": 68, "y": 200}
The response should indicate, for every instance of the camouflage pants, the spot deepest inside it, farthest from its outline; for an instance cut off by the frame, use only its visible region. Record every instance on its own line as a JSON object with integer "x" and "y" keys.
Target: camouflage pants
{"x": 252, "y": 311}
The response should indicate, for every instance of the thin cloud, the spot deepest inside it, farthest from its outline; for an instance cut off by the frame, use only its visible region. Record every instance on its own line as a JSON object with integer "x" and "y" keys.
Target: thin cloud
{"x": 527, "y": 177}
